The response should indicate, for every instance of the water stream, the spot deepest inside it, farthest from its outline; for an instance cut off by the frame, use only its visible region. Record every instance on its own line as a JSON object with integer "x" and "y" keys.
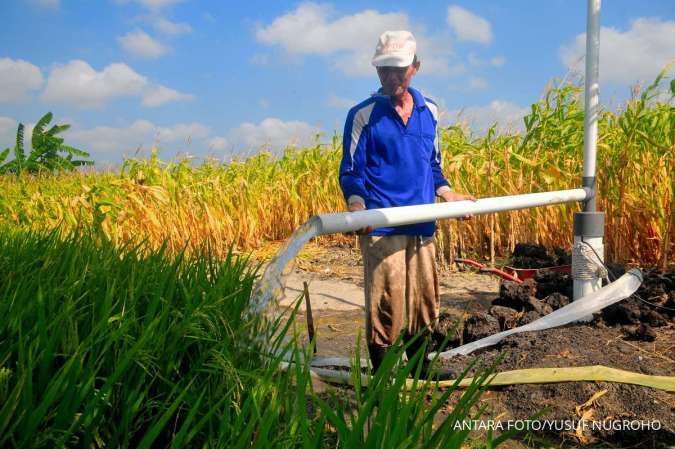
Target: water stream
{"x": 270, "y": 286}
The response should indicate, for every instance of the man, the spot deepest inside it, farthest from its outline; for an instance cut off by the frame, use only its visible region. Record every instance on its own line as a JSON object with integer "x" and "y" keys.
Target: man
{"x": 391, "y": 157}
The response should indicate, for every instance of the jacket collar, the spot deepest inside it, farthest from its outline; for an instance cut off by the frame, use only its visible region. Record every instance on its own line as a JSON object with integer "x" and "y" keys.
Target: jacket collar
{"x": 418, "y": 98}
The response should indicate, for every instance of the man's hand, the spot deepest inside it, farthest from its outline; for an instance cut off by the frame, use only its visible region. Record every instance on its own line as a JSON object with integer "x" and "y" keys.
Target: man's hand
{"x": 449, "y": 196}
{"x": 355, "y": 207}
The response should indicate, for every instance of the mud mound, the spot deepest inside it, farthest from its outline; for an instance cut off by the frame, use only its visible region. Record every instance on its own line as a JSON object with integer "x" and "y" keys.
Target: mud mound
{"x": 528, "y": 255}
{"x": 517, "y": 296}
{"x": 520, "y": 304}
{"x": 652, "y": 307}
{"x": 549, "y": 282}
{"x": 480, "y": 325}
{"x": 582, "y": 345}
{"x": 630, "y": 335}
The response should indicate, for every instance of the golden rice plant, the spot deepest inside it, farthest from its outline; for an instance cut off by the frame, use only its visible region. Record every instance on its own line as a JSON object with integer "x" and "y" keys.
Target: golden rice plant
{"x": 262, "y": 199}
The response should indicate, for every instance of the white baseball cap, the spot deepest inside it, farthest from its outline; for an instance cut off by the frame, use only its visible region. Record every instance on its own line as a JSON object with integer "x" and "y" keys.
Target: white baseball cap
{"x": 395, "y": 49}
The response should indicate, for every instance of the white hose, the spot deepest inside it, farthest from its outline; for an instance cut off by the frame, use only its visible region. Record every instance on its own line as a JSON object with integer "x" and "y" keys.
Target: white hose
{"x": 620, "y": 289}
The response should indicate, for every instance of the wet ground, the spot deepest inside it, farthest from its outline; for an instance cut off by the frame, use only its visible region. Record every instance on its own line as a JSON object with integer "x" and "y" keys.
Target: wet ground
{"x": 335, "y": 284}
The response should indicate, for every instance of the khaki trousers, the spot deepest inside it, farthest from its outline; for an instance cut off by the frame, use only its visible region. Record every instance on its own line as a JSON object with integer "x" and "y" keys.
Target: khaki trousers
{"x": 401, "y": 286}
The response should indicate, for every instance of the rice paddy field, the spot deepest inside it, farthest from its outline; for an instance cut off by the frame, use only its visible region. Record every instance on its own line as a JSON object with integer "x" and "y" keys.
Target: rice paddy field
{"x": 123, "y": 294}
{"x": 105, "y": 346}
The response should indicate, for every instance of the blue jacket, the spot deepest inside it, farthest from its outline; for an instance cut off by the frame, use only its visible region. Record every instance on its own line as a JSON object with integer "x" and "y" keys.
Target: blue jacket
{"x": 387, "y": 164}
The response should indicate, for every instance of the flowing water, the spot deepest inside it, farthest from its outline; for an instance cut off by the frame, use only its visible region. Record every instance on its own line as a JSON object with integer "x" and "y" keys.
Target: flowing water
{"x": 270, "y": 287}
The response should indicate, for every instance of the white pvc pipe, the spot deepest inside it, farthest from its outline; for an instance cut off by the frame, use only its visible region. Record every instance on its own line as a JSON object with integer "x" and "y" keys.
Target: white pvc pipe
{"x": 584, "y": 287}
{"x": 592, "y": 87}
{"x": 405, "y": 215}
{"x": 592, "y": 110}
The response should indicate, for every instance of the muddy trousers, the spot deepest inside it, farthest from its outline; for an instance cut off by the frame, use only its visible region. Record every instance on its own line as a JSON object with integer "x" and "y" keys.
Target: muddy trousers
{"x": 401, "y": 290}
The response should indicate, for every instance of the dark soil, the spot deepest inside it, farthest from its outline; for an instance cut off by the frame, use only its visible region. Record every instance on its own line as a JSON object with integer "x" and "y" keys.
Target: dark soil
{"x": 480, "y": 325}
{"x": 652, "y": 306}
{"x": 630, "y": 335}
{"x": 549, "y": 282}
{"x": 527, "y": 255}
{"x": 582, "y": 345}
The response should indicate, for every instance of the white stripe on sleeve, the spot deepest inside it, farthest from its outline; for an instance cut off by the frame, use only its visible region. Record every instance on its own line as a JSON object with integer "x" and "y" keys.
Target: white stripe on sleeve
{"x": 361, "y": 119}
{"x": 434, "y": 112}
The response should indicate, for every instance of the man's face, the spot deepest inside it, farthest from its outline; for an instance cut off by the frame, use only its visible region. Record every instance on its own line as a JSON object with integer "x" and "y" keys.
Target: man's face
{"x": 395, "y": 80}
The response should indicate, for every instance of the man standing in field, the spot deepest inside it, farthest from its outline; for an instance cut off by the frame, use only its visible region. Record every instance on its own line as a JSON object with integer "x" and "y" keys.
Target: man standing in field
{"x": 391, "y": 157}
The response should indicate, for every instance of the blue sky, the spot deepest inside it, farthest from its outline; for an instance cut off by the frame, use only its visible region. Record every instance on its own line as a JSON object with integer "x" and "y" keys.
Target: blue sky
{"x": 216, "y": 78}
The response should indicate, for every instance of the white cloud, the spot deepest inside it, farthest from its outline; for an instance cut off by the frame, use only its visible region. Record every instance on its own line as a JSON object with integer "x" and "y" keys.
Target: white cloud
{"x": 7, "y": 133}
{"x": 498, "y": 61}
{"x": 260, "y": 59}
{"x": 507, "y": 115}
{"x": 339, "y": 102}
{"x": 307, "y": 29}
{"x": 274, "y": 134}
{"x": 166, "y": 26}
{"x": 469, "y": 26}
{"x": 475, "y": 61}
{"x": 111, "y": 142}
{"x": 182, "y": 132}
{"x": 139, "y": 43}
{"x": 150, "y": 4}
{"x": 159, "y": 95}
{"x": 478, "y": 83}
{"x": 77, "y": 83}
{"x": 350, "y": 40}
{"x": 217, "y": 143}
{"x": 17, "y": 79}
{"x": 50, "y": 4}
{"x": 8, "y": 128}
{"x": 140, "y": 134}
{"x": 639, "y": 53}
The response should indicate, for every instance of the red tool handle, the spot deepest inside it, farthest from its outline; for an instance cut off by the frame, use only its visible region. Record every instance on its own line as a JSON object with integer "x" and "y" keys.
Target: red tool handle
{"x": 497, "y": 271}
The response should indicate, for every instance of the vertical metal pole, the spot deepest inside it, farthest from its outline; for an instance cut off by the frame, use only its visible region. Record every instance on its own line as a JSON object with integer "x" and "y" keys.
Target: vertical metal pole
{"x": 588, "y": 250}
{"x": 592, "y": 99}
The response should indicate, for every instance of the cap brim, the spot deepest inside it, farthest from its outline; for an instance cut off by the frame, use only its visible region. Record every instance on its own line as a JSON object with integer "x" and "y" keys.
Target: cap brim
{"x": 393, "y": 60}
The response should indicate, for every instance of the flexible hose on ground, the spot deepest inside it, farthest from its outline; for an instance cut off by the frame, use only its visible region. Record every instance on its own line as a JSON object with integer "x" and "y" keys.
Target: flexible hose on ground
{"x": 594, "y": 373}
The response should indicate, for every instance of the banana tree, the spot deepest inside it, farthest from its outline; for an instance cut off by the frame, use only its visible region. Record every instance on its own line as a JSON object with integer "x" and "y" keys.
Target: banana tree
{"x": 48, "y": 152}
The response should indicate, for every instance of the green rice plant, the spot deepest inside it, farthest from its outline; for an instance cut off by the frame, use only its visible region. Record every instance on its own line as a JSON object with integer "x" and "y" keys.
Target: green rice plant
{"x": 107, "y": 348}
{"x": 391, "y": 411}
{"x": 115, "y": 346}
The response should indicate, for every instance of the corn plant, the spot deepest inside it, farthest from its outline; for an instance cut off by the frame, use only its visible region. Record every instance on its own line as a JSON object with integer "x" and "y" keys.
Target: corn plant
{"x": 258, "y": 201}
